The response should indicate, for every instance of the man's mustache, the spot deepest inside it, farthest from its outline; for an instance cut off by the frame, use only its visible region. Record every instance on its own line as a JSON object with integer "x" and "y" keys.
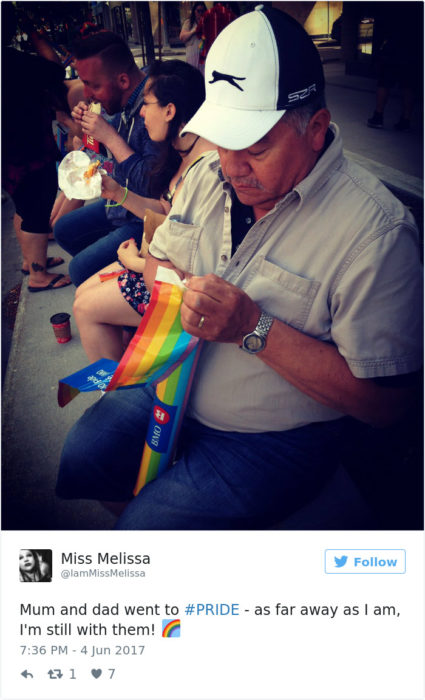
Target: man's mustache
{"x": 244, "y": 182}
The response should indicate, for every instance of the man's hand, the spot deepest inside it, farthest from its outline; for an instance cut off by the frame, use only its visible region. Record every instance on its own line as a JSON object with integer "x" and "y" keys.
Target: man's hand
{"x": 97, "y": 127}
{"x": 78, "y": 112}
{"x": 228, "y": 313}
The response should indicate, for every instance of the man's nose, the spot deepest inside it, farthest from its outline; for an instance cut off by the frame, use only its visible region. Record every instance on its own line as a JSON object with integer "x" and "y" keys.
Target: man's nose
{"x": 235, "y": 164}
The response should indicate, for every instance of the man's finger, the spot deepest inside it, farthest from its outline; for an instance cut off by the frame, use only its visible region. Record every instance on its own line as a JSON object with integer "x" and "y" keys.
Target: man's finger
{"x": 211, "y": 285}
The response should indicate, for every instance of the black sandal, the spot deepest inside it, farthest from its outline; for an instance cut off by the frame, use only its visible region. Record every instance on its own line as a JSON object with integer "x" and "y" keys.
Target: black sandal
{"x": 51, "y": 285}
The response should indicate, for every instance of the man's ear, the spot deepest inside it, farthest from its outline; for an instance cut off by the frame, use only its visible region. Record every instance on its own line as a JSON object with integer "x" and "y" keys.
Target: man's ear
{"x": 170, "y": 112}
{"x": 317, "y": 128}
{"x": 123, "y": 81}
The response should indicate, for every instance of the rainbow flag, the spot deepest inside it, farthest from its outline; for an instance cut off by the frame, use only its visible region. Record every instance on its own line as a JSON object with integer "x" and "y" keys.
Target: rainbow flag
{"x": 160, "y": 344}
{"x": 167, "y": 414}
{"x": 95, "y": 377}
{"x": 160, "y": 353}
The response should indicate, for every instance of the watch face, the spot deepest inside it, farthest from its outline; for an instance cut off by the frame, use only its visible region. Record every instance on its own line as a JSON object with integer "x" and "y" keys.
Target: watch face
{"x": 254, "y": 343}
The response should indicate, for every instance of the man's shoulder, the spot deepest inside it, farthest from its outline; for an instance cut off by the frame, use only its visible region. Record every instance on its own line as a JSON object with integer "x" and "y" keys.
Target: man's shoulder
{"x": 355, "y": 187}
{"x": 367, "y": 186}
{"x": 135, "y": 109}
{"x": 203, "y": 177}
{"x": 207, "y": 166}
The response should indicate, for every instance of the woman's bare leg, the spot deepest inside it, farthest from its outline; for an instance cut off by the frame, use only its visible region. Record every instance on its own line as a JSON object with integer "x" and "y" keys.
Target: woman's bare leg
{"x": 56, "y": 207}
{"x": 34, "y": 255}
{"x": 100, "y": 313}
{"x": 95, "y": 281}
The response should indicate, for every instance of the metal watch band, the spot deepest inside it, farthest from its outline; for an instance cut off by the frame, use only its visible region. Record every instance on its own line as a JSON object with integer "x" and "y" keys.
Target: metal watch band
{"x": 264, "y": 323}
{"x": 256, "y": 340}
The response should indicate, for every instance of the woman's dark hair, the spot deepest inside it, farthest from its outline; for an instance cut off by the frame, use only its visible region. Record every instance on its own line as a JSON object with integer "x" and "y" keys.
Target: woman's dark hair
{"x": 192, "y": 20}
{"x": 37, "y": 568}
{"x": 183, "y": 85}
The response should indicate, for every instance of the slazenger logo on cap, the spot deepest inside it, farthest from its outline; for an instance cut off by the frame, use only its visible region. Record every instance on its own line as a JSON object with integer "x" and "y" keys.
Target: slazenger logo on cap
{"x": 216, "y": 75}
{"x": 302, "y": 94}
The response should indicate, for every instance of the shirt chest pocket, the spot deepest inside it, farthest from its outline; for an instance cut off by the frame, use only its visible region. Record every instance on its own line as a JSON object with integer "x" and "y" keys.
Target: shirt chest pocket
{"x": 283, "y": 294}
{"x": 182, "y": 244}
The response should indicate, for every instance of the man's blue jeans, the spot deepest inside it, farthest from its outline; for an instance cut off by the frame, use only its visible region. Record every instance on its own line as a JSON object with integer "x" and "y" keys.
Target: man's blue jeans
{"x": 221, "y": 480}
{"x": 88, "y": 235}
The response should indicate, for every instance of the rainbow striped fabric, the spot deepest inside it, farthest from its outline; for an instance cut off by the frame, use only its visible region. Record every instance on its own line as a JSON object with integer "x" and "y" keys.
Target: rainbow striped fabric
{"x": 160, "y": 353}
{"x": 160, "y": 344}
{"x": 167, "y": 414}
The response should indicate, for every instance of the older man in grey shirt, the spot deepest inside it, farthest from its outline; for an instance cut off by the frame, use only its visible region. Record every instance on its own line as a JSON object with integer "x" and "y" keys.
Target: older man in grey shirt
{"x": 304, "y": 279}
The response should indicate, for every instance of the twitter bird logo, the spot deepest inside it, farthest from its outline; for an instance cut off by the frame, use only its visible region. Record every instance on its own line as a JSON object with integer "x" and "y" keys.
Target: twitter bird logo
{"x": 340, "y": 561}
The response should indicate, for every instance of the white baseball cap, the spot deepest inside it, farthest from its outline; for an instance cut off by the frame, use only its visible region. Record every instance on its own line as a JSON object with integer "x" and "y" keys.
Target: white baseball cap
{"x": 261, "y": 65}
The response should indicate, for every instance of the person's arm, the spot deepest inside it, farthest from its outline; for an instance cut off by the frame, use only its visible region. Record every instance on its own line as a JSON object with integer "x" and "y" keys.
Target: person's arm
{"x": 200, "y": 29}
{"x": 187, "y": 33}
{"x": 39, "y": 42}
{"x": 135, "y": 203}
{"x": 43, "y": 48}
{"x": 318, "y": 370}
{"x": 96, "y": 126}
{"x": 135, "y": 171}
{"x": 129, "y": 255}
{"x": 315, "y": 367}
{"x": 66, "y": 120}
{"x": 151, "y": 267}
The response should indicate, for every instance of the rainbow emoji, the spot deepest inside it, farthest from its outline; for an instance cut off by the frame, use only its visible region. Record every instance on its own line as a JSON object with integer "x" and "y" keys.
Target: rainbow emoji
{"x": 171, "y": 628}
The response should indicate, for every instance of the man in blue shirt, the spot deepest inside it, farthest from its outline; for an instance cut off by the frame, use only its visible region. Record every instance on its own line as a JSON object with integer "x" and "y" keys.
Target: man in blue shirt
{"x": 110, "y": 76}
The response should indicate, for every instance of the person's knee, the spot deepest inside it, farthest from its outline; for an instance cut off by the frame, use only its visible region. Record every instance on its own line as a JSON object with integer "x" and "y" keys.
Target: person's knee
{"x": 144, "y": 514}
{"x": 73, "y": 469}
{"x": 77, "y": 269}
{"x": 79, "y": 292}
{"x": 60, "y": 232}
{"x": 81, "y": 306}
{"x": 92, "y": 463}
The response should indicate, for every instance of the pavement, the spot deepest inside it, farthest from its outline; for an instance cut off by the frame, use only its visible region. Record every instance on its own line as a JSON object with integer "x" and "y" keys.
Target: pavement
{"x": 34, "y": 427}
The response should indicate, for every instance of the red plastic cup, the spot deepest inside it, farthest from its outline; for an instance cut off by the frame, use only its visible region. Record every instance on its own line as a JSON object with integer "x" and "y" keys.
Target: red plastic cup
{"x": 61, "y": 327}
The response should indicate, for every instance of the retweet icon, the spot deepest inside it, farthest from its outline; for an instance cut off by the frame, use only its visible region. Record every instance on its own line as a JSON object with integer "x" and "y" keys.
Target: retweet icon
{"x": 340, "y": 561}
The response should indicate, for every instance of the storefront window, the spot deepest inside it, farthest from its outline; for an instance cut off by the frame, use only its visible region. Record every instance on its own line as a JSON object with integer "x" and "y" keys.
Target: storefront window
{"x": 365, "y": 35}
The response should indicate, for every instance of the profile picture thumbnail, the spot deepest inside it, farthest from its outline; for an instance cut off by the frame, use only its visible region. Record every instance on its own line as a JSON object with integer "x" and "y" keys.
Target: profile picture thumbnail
{"x": 35, "y": 565}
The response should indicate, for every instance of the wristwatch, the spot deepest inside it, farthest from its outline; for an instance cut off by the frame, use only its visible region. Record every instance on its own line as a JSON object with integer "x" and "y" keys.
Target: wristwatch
{"x": 256, "y": 341}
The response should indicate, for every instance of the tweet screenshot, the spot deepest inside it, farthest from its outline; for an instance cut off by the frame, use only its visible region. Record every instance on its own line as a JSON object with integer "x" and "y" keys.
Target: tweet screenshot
{"x": 252, "y": 615}
{"x": 212, "y": 350}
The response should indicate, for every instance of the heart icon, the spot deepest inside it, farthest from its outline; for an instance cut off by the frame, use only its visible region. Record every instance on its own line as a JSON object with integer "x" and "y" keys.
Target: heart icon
{"x": 96, "y": 672}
